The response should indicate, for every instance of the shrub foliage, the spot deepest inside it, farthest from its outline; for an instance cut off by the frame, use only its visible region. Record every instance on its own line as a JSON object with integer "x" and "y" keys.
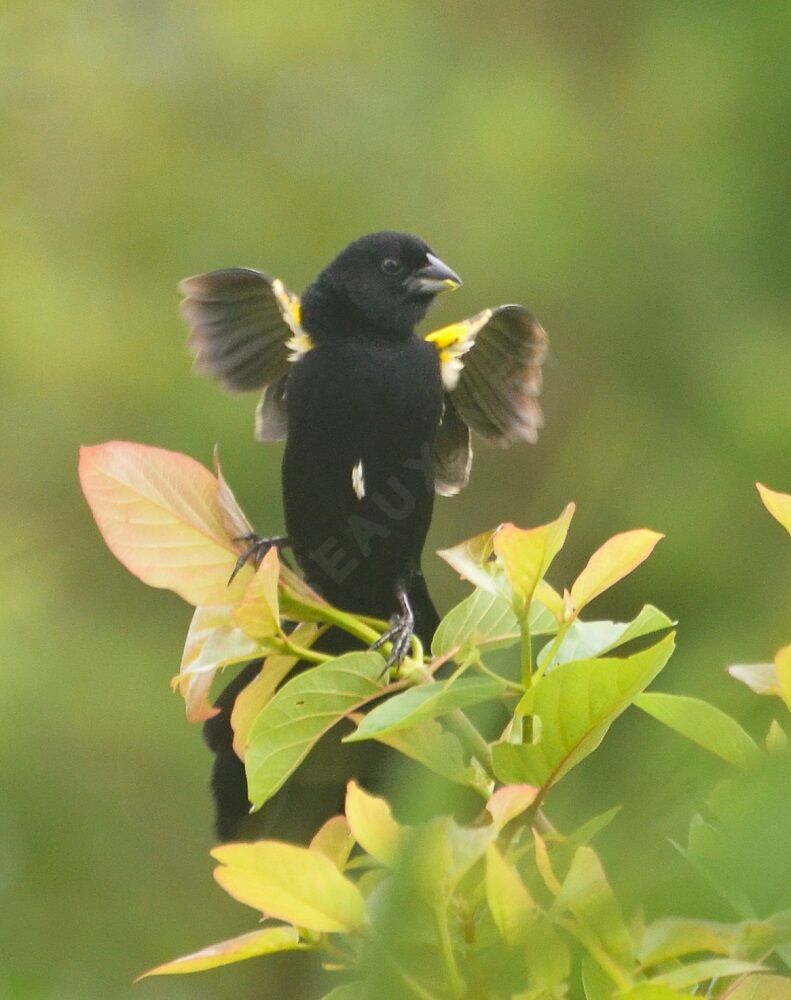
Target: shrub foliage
{"x": 507, "y": 906}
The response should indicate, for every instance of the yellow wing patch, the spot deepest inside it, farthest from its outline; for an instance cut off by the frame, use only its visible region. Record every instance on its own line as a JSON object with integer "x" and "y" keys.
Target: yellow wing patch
{"x": 300, "y": 342}
{"x": 453, "y": 342}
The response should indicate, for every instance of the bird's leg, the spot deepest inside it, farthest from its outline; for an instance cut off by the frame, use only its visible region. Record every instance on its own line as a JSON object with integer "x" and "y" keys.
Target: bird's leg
{"x": 256, "y": 550}
{"x": 402, "y": 628}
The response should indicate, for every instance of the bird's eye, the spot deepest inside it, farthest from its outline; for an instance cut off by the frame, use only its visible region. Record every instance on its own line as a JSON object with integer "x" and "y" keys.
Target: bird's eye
{"x": 391, "y": 266}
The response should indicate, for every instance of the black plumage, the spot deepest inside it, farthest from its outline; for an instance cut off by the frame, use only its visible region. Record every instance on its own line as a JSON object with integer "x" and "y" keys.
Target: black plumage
{"x": 374, "y": 417}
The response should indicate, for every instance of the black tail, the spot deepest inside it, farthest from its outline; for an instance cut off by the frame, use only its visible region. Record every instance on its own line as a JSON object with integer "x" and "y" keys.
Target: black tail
{"x": 317, "y": 790}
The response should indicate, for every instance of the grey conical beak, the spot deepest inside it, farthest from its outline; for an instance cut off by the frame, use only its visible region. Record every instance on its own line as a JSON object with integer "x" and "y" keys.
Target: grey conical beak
{"x": 434, "y": 277}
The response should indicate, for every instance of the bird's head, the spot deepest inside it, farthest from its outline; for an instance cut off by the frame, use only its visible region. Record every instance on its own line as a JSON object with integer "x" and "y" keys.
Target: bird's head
{"x": 389, "y": 278}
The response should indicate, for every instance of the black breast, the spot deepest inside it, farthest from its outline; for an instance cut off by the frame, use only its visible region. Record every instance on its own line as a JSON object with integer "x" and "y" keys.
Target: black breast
{"x": 357, "y": 475}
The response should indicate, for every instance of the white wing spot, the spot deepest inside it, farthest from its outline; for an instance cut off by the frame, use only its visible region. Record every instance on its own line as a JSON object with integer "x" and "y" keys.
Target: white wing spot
{"x": 358, "y": 480}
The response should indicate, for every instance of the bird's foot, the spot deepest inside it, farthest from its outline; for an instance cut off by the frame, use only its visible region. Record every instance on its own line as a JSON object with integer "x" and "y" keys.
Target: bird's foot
{"x": 402, "y": 628}
{"x": 256, "y": 550}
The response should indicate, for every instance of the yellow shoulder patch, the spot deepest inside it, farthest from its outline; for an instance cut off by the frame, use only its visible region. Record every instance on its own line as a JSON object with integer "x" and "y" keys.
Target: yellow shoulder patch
{"x": 453, "y": 342}
{"x": 300, "y": 342}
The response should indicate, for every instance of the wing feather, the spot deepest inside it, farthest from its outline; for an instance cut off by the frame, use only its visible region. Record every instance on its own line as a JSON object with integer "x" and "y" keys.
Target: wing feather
{"x": 492, "y": 369}
{"x": 452, "y": 453}
{"x": 271, "y": 419}
{"x": 242, "y": 326}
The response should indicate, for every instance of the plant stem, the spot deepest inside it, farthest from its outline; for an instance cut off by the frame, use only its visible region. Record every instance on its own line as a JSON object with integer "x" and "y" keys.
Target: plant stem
{"x": 598, "y": 954}
{"x": 480, "y": 665}
{"x": 407, "y": 980}
{"x": 311, "y": 655}
{"x": 550, "y": 653}
{"x": 455, "y": 981}
{"x": 459, "y": 724}
{"x": 527, "y": 675}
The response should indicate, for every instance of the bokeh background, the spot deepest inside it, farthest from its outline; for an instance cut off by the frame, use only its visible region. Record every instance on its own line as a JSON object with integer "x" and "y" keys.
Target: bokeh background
{"x": 623, "y": 169}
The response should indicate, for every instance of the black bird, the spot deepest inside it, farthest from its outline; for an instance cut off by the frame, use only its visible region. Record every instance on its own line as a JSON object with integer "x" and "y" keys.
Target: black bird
{"x": 375, "y": 417}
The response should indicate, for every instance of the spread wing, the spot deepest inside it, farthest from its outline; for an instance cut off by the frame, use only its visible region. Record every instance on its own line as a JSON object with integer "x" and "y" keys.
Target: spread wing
{"x": 491, "y": 370}
{"x": 244, "y": 330}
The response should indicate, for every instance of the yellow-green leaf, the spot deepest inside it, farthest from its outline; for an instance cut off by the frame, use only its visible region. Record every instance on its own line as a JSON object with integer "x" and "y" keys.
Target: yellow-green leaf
{"x": 778, "y": 505}
{"x": 259, "y": 613}
{"x": 550, "y": 599}
{"x": 762, "y": 988}
{"x": 576, "y": 704}
{"x": 213, "y": 642}
{"x": 262, "y": 942}
{"x": 159, "y": 515}
{"x": 437, "y": 749}
{"x": 612, "y": 562}
{"x": 776, "y": 741}
{"x": 705, "y": 970}
{"x": 426, "y": 701}
{"x": 472, "y": 560}
{"x": 584, "y": 640}
{"x": 293, "y": 884}
{"x": 587, "y": 894}
{"x": 544, "y": 864}
{"x": 526, "y": 554}
{"x": 335, "y": 841}
{"x": 301, "y": 712}
{"x": 783, "y": 667}
{"x": 702, "y": 723}
{"x": 372, "y": 825}
{"x": 509, "y": 902}
{"x": 671, "y": 938}
{"x": 443, "y": 852}
{"x": 651, "y": 991}
{"x": 259, "y": 692}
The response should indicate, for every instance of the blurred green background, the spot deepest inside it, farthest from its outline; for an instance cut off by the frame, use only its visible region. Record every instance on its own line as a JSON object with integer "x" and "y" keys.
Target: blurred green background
{"x": 623, "y": 169}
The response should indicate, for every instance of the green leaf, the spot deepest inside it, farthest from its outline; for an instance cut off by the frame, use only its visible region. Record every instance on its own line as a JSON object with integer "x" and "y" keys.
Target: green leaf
{"x": 670, "y": 938}
{"x": 762, "y": 988}
{"x": 587, "y": 894}
{"x": 435, "y": 748}
{"x": 596, "y": 983}
{"x": 291, "y": 883}
{"x": 652, "y": 991}
{"x": 576, "y": 704}
{"x": 702, "y": 845}
{"x": 487, "y": 620}
{"x": 702, "y": 972}
{"x": 702, "y": 723}
{"x": 299, "y": 715}
{"x": 585, "y": 833}
{"x": 261, "y": 690}
{"x": 348, "y": 991}
{"x": 548, "y": 958}
{"x": 585, "y": 640}
{"x": 426, "y": 701}
{"x": 263, "y": 942}
{"x": 443, "y": 852}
